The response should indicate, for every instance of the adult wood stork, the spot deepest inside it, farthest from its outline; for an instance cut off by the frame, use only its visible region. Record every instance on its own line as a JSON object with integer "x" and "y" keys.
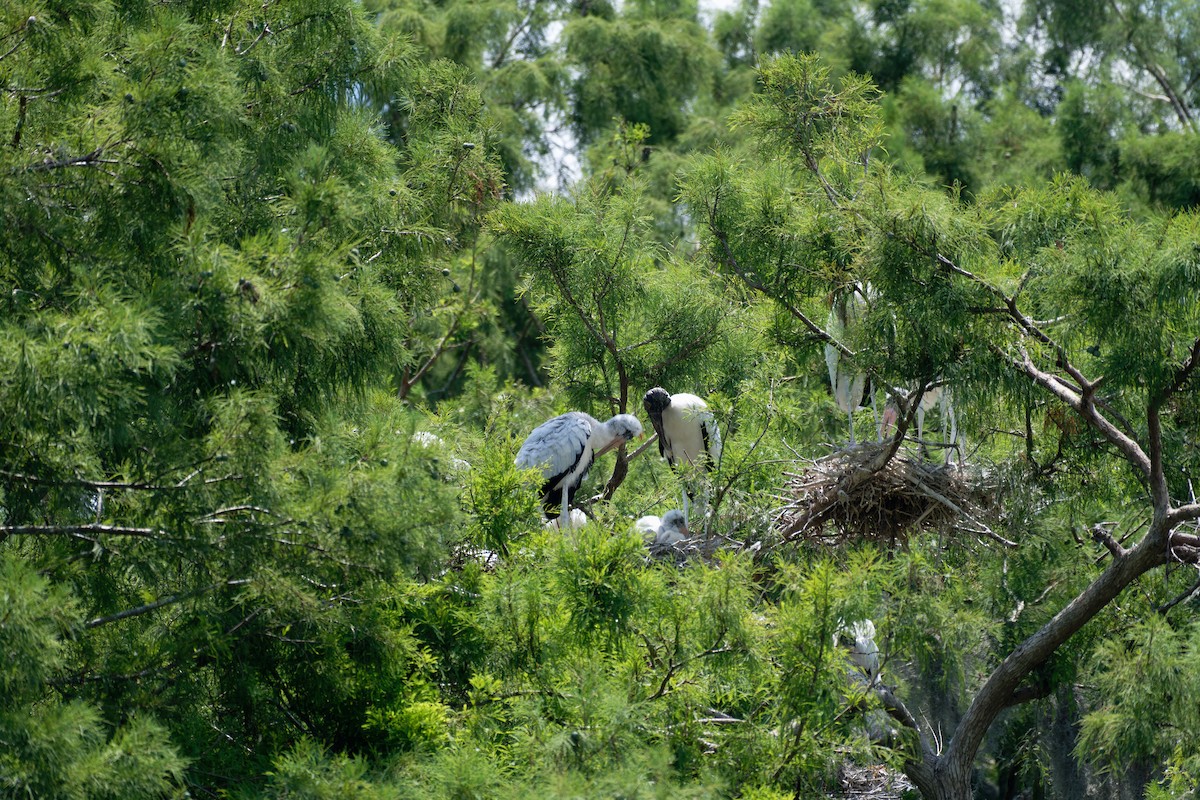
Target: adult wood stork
{"x": 938, "y": 396}
{"x": 687, "y": 432}
{"x": 564, "y": 449}
{"x": 670, "y": 529}
{"x": 850, "y": 386}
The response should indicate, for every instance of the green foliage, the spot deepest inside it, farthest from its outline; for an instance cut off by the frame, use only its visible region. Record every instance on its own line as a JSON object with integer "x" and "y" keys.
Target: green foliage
{"x": 62, "y": 748}
{"x": 1147, "y": 688}
{"x": 246, "y": 249}
{"x": 623, "y": 320}
{"x": 597, "y": 578}
{"x": 644, "y": 69}
{"x": 212, "y": 261}
{"x": 308, "y": 773}
{"x": 502, "y": 500}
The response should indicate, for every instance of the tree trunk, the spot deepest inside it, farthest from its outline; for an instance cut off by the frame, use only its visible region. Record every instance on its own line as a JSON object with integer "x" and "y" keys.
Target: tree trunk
{"x": 947, "y": 776}
{"x": 939, "y": 779}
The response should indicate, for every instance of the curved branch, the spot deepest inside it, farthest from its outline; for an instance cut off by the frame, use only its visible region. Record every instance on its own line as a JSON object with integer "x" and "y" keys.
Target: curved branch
{"x": 1004, "y": 681}
{"x": 1084, "y": 405}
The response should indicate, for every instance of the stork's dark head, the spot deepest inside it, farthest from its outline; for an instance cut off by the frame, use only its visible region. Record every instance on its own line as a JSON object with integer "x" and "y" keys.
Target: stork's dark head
{"x": 656, "y": 400}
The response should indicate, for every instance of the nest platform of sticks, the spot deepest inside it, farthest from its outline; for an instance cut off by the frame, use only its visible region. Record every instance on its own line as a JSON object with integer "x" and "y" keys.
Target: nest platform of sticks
{"x": 860, "y": 494}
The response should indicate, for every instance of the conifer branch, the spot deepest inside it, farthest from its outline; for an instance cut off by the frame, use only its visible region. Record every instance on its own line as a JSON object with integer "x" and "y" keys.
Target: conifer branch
{"x": 674, "y": 667}
{"x": 1083, "y": 404}
{"x": 74, "y": 530}
{"x": 1101, "y": 535}
{"x": 164, "y": 601}
{"x": 92, "y": 159}
{"x": 1182, "y": 375}
{"x": 502, "y": 55}
{"x": 408, "y": 382}
{"x": 1181, "y": 597}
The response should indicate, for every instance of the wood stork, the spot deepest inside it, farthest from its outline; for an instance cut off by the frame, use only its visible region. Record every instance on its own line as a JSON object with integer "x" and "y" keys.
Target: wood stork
{"x": 938, "y": 396}
{"x": 670, "y": 529}
{"x": 850, "y": 386}
{"x": 564, "y": 448}
{"x": 687, "y": 432}
{"x": 859, "y": 640}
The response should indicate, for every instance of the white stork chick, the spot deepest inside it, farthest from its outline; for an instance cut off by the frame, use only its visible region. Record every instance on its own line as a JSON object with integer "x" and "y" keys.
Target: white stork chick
{"x": 849, "y": 385}
{"x": 935, "y": 396}
{"x": 564, "y": 448}
{"x": 861, "y": 649}
{"x": 668, "y": 530}
{"x": 687, "y": 431}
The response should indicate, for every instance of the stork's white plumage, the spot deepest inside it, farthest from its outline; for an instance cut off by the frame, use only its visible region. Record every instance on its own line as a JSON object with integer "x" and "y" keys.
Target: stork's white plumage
{"x": 564, "y": 449}
{"x": 669, "y": 529}
{"x": 938, "y": 396}
{"x": 687, "y": 431}
{"x": 861, "y": 648}
{"x": 849, "y": 384}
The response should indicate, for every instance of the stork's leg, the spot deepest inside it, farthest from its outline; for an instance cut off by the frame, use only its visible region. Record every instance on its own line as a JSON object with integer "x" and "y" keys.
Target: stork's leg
{"x": 920, "y": 432}
{"x": 850, "y": 416}
{"x": 686, "y": 520}
{"x": 948, "y": 414}
{"x": 564, "y": 515}
{"x": 875, "y": 414}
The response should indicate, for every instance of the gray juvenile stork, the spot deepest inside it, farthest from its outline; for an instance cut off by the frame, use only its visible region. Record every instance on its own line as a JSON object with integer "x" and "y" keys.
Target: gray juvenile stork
{"x": 563, "y": 448}
{"x": 850, "y": 386}
{"x": 687, "y": 432}
{"x": 668, "y": 530}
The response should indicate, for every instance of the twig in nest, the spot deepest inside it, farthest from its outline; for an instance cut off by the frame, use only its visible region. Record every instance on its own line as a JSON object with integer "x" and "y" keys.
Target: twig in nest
{"x": 851, "y": 494}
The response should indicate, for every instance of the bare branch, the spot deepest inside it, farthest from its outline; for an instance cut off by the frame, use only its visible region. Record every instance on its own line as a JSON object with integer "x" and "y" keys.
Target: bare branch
{"x": 1027, "y": 694}
{"x": 132, "y": 486}
{"x": 1183, "y": 514}
{"x": 638, "y": 452}
{"x": 91, "y": 159}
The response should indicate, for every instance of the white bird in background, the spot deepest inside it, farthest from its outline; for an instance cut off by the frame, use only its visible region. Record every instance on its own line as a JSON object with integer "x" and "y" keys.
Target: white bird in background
{"x": 428, "y": 440}
{"x": 564, "y": 448}
{"x": 670, "y": 529}
{"x": 850, "y": 386}
{"x": 860, "y": 647}
{"x": 934, "y": 396}
{"x": 687, "y": 432}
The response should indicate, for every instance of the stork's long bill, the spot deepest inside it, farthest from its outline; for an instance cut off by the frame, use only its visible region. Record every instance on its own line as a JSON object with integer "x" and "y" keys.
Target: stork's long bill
{"x": 616, "y": 442}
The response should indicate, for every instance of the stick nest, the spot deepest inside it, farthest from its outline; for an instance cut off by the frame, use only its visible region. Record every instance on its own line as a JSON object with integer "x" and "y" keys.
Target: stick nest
{"x": 847, "y": 496}
{"x": 872, "y": 783}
